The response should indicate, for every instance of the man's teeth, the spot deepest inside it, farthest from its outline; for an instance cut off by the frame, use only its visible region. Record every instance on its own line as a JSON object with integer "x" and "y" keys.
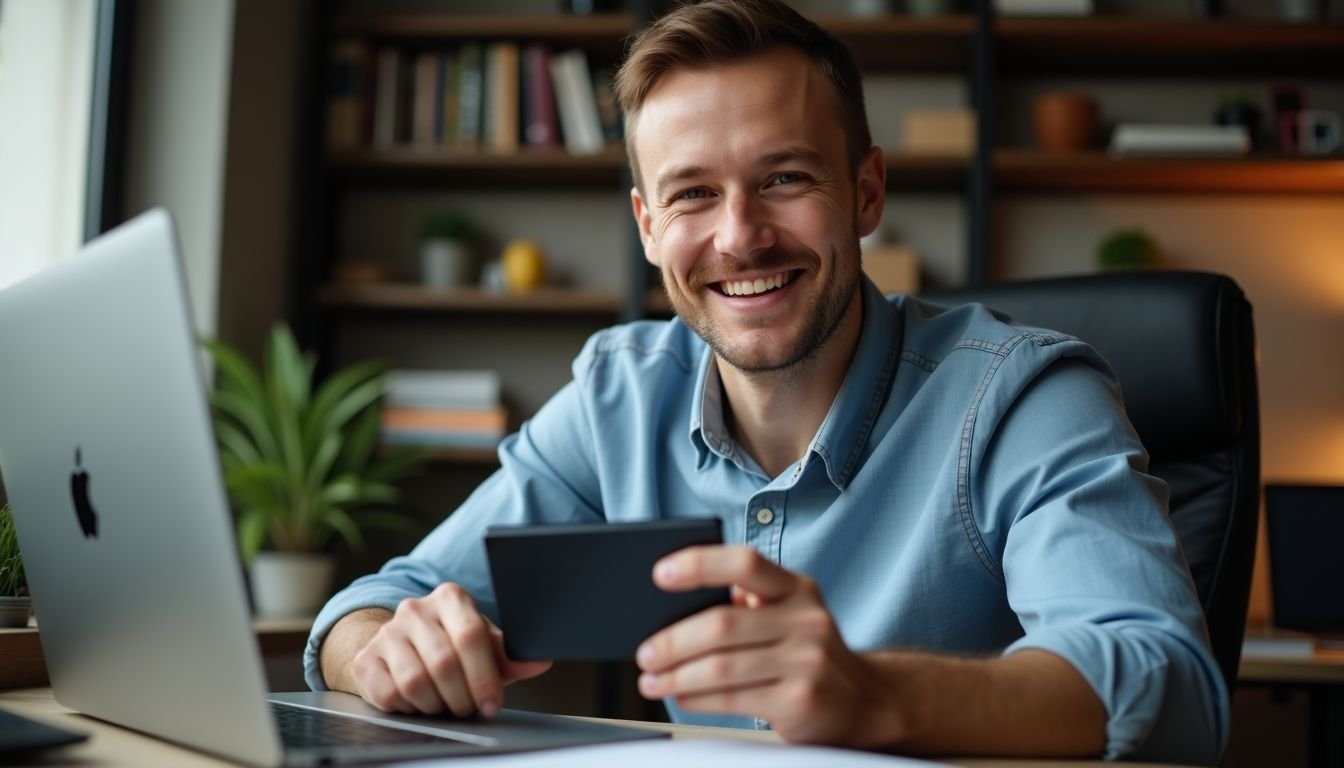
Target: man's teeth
{"x": 752, "y": 287}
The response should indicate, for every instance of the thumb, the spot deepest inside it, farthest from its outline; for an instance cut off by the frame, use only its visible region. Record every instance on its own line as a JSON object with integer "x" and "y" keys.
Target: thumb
{"x": 510, "y": 670}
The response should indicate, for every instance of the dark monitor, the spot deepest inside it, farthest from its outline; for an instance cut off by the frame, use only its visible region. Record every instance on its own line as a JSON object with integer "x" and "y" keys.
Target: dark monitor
{"x": 1306, "y": 556}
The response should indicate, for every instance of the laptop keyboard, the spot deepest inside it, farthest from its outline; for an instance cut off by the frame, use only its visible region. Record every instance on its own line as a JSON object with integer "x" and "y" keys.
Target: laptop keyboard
{"x": 308, "y": 729}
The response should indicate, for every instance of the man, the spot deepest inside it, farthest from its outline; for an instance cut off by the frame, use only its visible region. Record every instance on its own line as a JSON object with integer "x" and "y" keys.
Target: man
{"x": 941, "y": 536}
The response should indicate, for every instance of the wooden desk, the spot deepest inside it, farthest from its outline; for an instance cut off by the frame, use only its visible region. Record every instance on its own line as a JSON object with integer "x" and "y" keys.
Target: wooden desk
{"x": 110, "y": 745}
{"x": 1321, "y": 676}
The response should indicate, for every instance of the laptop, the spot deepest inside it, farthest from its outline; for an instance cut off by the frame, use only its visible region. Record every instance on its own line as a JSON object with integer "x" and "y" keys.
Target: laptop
{"x": 1305, "y": 528}
{"x": 109, "y": 461}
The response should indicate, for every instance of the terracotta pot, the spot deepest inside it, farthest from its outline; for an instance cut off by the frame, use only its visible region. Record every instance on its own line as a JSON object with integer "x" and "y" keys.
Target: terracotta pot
{"x": 1065, "y": 121}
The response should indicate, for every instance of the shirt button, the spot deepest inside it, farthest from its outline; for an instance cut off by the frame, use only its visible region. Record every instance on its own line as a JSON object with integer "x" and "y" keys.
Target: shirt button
{"x": 765, "y": 516}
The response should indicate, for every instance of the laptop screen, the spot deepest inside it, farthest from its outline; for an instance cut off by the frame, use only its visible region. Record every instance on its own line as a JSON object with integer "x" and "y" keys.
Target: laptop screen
{"x": 1306, "y": 555}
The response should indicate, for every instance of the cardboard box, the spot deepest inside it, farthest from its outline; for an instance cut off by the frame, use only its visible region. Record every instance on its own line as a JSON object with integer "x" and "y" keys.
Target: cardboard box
{"x": 894, "y": 268}
{"x": 938, "y": 132}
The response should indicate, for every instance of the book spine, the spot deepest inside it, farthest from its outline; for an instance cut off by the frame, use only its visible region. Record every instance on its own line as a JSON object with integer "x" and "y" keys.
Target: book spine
{"x": 386, "y": 94}
{"x": 486, "y": 420}
{"x": 345, "y": 96}
{"x": 541, "y": 128}
{"x": 425, "y": 101}
{"x": 503, "y": 80}
{"x": 470, "y": 94}
{"x": 577, "y": 106}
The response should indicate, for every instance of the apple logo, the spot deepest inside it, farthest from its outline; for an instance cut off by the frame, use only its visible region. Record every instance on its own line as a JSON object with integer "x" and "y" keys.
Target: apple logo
{"x": 79, "y": 491}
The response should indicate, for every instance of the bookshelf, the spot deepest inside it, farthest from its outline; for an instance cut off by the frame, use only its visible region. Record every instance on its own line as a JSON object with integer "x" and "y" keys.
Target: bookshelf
{"x": 958, "y": 46}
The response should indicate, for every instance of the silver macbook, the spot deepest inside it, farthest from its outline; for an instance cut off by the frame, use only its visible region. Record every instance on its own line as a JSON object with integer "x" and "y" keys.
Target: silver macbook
{"x": 109, "y": 462}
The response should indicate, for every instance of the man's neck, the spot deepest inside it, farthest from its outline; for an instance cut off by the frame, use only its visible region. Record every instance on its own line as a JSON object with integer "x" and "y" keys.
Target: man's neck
{"x": 774, "y": 416}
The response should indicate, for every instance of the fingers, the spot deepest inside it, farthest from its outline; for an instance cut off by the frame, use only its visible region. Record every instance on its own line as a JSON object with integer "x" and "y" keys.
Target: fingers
{"x": 719, "y": 628}
{"x": 732, "y": 670}
{"x": 720, "y": 566}
{"x": 438, "y": 652}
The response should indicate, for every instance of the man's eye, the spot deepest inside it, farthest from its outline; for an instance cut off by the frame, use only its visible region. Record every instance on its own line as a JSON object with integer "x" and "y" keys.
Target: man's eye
{"x": 699, "y": 193}
{"x": 788, "y": 177}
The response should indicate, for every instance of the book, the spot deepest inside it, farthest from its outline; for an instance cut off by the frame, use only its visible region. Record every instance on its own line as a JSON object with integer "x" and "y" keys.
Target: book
{"x": 1043, "y": 7}
{"x": 502, "y": 81}
{"x": 425, "y": 98}
{"x": 1134, "y": 139}
{"x": 492, "y": 420}
{"x": 386, "y": 97}
{"x": 470, "y": 95}
{"x": 1264, "y": 640}
{"x": 608, "y": 110}
{"x": 540, "y": 125}
{"x": 446, "y": 130}
{"x": 579, "y": 120}
{"x": 442, "y": 389}
{"x": 345, "y": 96}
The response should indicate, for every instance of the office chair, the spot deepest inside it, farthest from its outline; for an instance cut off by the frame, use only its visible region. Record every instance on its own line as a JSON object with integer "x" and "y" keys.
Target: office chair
{"x": 1183, "y": 347}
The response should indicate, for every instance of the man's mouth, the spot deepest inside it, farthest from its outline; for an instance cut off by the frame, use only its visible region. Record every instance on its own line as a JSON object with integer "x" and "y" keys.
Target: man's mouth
{"x": 753, "y": 287}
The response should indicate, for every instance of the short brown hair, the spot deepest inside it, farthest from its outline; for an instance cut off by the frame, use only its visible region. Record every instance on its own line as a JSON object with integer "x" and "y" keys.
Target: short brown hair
{"x": 719, "y": 31}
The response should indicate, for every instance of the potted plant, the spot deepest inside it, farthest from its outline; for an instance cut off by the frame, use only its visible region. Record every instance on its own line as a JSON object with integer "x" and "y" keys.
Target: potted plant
{"x": 445, "y": 249}
{"x": 1128, "y": 249}
{"x": 301, "y": 467}
{"x": 15, "y": 604}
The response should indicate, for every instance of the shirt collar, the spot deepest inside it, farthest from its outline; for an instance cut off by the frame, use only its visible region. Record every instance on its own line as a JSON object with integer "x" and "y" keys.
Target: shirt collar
{"x": 844, "y": 432}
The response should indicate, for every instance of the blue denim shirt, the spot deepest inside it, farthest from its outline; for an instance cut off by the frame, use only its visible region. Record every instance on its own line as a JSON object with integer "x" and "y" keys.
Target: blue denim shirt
{"x": 975, "y": 488}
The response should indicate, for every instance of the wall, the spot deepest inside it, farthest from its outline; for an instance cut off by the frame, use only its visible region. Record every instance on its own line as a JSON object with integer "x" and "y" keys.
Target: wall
{"x": 177, "y": 131}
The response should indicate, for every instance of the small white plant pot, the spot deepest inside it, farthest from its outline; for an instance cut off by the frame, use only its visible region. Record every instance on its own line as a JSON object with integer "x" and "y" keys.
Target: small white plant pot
{"x": 445, "y": 263}
{"x": 287, "y": 584}
{"x": 15, "y": 611}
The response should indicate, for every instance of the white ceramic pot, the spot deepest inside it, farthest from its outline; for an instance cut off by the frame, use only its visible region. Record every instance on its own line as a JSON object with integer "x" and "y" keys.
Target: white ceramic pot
{"x": 14, "y": 611}
{"x": 445, "y": 263}
{"x": 286, "y": 584}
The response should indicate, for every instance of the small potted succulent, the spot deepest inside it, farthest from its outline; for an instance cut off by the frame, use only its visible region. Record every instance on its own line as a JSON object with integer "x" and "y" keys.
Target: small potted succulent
{"x": 1128, "y": 249}
{"x": 301, "y": 467}
{"x": 15, "y": 604}
{"x": 1240, "y": 108}
{"x": 445, "y": 249}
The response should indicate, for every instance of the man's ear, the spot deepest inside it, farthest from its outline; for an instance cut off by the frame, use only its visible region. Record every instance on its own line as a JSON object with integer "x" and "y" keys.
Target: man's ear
{"x": 870, "y": 191}
{"x": 644, "y": 220}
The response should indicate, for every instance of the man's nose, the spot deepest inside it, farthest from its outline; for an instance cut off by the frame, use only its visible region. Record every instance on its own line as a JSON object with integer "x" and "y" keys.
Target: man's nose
{"x": 744, "y": 227}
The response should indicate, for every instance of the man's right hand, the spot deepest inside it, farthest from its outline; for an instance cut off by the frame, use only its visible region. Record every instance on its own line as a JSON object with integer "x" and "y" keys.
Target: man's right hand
{"x": 435, "y": 653}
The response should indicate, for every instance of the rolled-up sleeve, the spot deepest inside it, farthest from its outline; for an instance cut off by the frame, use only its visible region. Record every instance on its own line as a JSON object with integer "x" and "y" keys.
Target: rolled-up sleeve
{"x": 1092, "y": 566}
{"x": 546, "y": 474}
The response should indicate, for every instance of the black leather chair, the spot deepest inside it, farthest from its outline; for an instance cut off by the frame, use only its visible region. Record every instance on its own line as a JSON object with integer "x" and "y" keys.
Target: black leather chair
{"x": 1183, "y": 347}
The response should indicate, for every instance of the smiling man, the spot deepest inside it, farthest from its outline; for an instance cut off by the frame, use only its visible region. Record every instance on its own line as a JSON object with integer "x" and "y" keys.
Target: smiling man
{"x": 941, "y": 536}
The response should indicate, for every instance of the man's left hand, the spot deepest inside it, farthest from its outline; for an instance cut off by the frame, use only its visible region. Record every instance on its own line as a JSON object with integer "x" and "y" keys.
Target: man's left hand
{"x": 775, "y": 653}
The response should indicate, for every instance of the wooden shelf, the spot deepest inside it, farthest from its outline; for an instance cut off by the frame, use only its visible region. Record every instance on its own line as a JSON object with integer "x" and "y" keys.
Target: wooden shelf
{"x": 415, "y": 298}
{"x": 1138, "y": 47}
{"x": 1034, "y": 171}
{"x": 446, "y": 167}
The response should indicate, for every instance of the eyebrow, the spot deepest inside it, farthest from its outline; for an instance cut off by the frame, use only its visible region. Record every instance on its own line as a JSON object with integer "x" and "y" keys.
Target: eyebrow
{"x": 795, "y": 153}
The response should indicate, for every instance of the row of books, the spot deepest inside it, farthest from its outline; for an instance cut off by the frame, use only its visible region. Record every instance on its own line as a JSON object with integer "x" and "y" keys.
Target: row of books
{"x": 444, "y": 409}
{"x": 498, "y": 96}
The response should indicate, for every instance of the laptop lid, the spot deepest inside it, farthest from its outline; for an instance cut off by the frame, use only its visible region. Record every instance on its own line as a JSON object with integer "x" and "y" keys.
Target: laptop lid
{"x": 108, "y": 458}
{"x": 109, "y": 462}
{"x": 1305, "y": 526}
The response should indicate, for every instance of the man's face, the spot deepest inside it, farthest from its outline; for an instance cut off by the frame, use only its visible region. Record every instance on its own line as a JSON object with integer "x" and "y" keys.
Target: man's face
{"x": 749, "y": 207}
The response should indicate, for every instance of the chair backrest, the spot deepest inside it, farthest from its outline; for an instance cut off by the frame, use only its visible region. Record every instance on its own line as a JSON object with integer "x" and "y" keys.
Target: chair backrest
{"x": 1183, "y": 347}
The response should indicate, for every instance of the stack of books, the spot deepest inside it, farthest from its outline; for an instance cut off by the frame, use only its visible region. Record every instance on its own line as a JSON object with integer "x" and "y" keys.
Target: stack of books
{"x": 443, "y": 409}
{"x": 495, "y": 96}
{"x": 1135, "y": 139}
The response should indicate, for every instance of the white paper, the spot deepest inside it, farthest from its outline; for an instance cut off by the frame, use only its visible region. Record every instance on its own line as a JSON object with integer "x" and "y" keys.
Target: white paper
{"x": 680, "y": 753}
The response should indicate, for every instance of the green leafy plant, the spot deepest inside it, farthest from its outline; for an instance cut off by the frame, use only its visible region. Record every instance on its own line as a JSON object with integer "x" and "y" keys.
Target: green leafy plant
{"x": 302, "y": 466}
{"x": 1128, "y": 249}
{"x": 12, "y": 580}
{"x": 445, "y": 224}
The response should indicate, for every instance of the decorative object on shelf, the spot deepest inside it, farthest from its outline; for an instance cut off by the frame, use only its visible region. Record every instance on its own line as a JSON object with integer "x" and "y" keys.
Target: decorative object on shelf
{"x": 300, "y": 466}
{"x": 589, "y": 7}
{"x": 926, "y": 8}
{"x": 362, "y": 272}
{"x": 1240, "y": 109}
{"x": 15, "y": 604}
{"x": 1207, "y": 9}
{"x": 443, "y": 409}
{"x": 892, "y": 266}
{"x": 1314, "y": 132}
{"x": 1303, "y": 10}
{"x": 1128, "y": 249}
{"x": 1285, "y": 101}
{"x": 523, "y": 265}
{"x": 1065, "y": 121}
{"x": 445, "y": 249}
{"x": 868, "y": 9}
{"x": 1175, "y": 139}
{"x": 935, "y": 131}
{"x": 1043, "y": 7}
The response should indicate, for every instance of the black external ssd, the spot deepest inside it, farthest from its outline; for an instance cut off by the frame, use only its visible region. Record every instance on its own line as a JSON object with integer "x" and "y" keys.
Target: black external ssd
{"x": 586, "y": 592}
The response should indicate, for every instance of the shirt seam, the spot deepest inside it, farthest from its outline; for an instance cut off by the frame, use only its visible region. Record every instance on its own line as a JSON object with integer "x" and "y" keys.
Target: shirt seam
{"x": 972, "y": 531}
